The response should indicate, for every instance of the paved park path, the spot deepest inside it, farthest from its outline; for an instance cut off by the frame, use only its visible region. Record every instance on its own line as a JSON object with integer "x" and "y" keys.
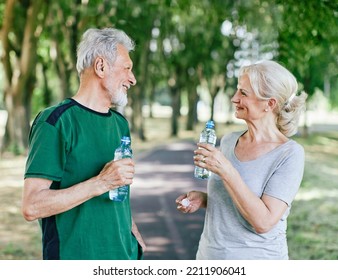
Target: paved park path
{"x": 162, "y": 174}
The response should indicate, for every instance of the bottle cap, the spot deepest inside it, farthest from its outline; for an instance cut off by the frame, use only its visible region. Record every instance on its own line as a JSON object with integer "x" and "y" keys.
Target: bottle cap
{"x": 210, "y": 124}
{"x": 185, "y": 202}
{"x": 125, "y": 139}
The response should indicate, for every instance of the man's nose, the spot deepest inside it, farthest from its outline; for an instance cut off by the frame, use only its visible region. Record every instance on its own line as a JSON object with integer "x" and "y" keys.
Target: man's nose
{"x": 132, "y": 79}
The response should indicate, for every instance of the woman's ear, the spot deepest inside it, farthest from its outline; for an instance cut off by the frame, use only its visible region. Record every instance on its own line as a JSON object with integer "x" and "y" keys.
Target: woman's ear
{"x": 99, "y": 66}
{"x": 272, "y": 103}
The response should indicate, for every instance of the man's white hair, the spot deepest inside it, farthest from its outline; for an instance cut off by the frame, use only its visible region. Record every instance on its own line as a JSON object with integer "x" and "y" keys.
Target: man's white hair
{"x": 101, "y": 42}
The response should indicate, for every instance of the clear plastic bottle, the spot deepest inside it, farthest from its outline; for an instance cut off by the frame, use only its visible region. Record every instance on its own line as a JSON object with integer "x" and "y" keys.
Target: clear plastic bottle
{"x": 122, "y": 151}
{"x": 208, "y": 135}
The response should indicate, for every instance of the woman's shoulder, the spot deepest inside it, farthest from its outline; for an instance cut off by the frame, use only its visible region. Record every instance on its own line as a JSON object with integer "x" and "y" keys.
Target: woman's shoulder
{"x": 231, "y": 137}
{"x": 294, "y": 147}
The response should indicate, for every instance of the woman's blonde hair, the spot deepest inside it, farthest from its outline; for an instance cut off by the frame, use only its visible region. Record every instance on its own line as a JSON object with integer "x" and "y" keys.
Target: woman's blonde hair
{"x": 271, "y": 80}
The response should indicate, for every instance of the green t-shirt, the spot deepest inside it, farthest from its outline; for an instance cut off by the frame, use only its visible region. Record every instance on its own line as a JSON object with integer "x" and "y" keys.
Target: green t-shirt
{"x": 70, "y": 143}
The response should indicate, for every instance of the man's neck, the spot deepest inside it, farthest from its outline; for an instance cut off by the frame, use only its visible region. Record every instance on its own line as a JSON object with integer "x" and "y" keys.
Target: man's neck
{"x": 91, "y": 95}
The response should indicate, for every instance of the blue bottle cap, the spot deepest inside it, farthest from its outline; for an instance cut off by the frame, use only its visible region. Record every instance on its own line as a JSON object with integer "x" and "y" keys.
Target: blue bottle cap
{"x": 210, "y": 124}
{"x": 125, "y": 139}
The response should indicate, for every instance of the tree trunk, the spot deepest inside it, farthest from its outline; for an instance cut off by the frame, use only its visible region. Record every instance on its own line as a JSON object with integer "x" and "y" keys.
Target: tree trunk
{"x": 138, "y": 120}
{"x": 175, "y": 104}
{"x": 17, "y": 126}
{"x": 138, "y": 98}
{"x": 19, "y": 86}
{"x": 217, "y": 82}
{"x": 192, "y": 110}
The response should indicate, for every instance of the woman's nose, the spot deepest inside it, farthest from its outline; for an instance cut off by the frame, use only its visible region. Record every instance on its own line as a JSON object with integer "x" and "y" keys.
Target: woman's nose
{"x": 234, "y": 98}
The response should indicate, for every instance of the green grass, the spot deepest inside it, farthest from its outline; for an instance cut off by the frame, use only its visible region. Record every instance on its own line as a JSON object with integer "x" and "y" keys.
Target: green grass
{"x": 312, "y": 224}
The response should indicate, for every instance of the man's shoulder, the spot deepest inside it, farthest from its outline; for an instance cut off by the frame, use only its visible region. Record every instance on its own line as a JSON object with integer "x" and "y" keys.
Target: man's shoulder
{"x": 118, "y": 114}
{"x": 52, "y": 114}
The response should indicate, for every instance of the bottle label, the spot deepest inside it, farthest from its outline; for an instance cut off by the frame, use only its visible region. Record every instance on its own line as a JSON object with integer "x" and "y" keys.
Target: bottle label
{"x": 121, "y": 193}
{"x": 208, "y": 135}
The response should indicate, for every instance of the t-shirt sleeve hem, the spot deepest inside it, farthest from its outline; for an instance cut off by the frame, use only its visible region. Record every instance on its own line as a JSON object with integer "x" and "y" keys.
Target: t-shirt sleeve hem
{"x": 287, "y": 201}
{"x": 42, "y": 176}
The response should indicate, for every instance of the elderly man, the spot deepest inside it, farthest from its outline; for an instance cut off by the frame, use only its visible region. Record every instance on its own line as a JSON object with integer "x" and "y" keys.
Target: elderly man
{"x": 70, "y": 167}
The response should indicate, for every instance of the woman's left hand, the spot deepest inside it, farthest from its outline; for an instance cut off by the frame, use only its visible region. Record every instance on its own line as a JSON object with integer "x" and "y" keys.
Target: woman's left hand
{"x": 209, "y": 157}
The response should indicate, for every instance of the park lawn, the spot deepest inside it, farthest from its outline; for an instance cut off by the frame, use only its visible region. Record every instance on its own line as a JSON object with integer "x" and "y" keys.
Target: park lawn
{"x": 19, "y": 239}
{"x": 312, "y": 224}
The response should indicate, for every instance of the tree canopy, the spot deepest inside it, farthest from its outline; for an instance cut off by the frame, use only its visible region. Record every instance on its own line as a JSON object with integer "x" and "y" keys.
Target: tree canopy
{"x": 181, "y": 46}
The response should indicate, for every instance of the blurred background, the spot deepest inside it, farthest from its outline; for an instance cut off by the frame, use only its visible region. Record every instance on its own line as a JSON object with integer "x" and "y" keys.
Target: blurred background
{"x": 186, "y": 62}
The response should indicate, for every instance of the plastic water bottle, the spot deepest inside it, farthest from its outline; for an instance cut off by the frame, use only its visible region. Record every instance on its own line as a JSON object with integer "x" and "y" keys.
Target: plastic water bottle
{"x": 208, "y": 135}
{"x": 122, "y": 151}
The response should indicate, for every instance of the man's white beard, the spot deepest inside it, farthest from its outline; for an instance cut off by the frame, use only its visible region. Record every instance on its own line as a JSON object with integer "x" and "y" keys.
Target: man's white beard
{"x": 119, "y": 99}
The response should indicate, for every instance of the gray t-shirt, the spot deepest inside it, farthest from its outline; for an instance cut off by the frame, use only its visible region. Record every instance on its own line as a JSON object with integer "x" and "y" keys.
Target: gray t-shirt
{"x": 226, "y": 234}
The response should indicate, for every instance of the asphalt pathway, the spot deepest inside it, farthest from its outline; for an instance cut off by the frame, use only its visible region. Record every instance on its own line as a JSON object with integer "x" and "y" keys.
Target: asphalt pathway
{"x": 163, "y": 174}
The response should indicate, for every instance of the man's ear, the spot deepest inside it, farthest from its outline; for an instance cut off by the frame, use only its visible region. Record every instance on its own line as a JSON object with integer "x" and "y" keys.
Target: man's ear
{"x": 99, "y": 66}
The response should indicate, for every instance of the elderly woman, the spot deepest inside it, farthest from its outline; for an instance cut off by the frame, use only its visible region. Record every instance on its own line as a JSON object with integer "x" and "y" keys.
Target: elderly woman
{"x": 256, "y": 172}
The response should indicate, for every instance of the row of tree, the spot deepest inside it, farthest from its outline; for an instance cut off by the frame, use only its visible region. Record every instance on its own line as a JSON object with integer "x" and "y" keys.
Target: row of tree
{"x": 180, "y": 45}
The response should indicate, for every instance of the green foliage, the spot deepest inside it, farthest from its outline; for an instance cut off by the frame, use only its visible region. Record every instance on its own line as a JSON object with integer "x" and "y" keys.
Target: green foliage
{"x": 184, "y": 42}
{"x": 308, "y": 44}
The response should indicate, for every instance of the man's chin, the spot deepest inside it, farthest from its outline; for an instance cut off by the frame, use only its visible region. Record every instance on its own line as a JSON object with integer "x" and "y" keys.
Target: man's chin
{"x": 120, "y": 103}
